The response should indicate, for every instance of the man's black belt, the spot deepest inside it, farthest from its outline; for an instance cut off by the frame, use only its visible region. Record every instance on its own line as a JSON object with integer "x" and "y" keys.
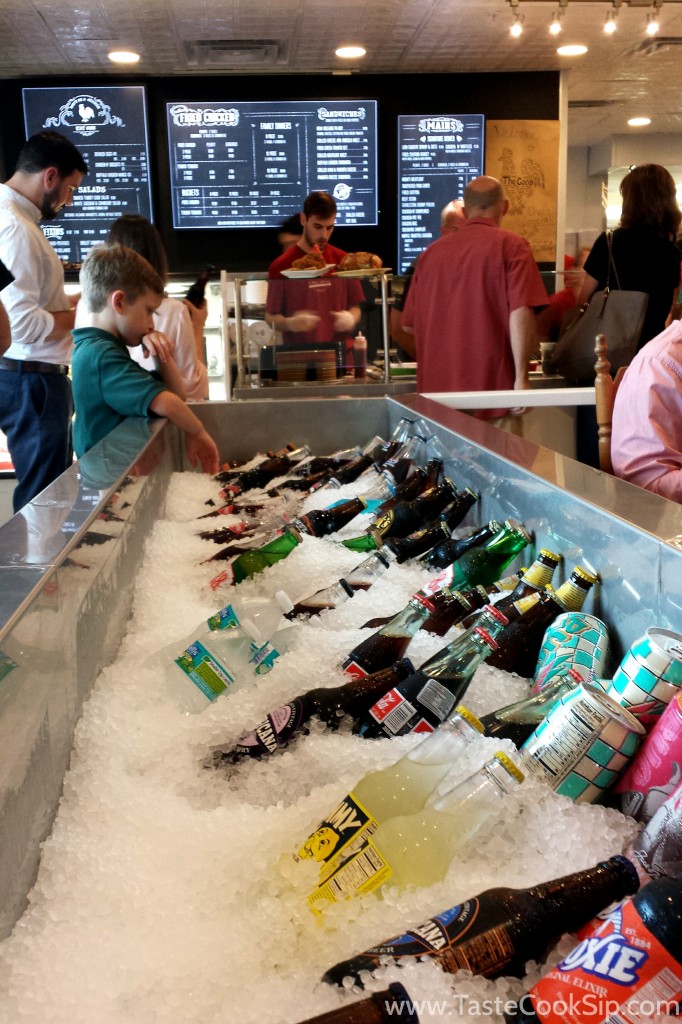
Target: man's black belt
{"x": 30, "y": 366}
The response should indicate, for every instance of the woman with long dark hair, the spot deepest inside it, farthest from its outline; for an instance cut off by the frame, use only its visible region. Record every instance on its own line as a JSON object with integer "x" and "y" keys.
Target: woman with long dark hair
{"x": 643, "y": 247}
{"x": 180, "y": 321}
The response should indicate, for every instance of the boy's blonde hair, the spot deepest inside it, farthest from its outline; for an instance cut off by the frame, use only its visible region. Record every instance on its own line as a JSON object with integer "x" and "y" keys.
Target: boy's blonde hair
{"x": 110, "y": 268}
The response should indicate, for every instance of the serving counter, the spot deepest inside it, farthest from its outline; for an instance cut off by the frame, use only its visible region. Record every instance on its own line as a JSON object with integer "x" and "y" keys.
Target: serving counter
{"x": 68, "y": 561}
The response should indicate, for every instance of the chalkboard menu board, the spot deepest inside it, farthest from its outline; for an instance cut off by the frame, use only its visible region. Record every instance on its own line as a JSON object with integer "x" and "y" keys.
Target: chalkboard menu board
{"x": 438, "y": 154}
{"x": 251, "y": 164}
{"x": 108, "y": 124}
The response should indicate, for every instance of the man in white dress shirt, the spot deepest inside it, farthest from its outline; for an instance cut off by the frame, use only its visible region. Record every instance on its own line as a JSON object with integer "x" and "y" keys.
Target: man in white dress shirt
{"x": 35, "y": 393}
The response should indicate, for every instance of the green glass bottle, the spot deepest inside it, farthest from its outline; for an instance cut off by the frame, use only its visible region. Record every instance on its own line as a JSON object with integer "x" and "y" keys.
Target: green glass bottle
{"x": 485, "y": 565}
{"x": 253, "y": 561}
{"x": 365, "y": 542}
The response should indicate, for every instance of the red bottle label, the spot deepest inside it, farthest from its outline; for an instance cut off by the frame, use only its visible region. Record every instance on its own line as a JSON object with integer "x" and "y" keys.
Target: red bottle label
{"x": 352, "y": 668}
{"x": 620, "y": 973}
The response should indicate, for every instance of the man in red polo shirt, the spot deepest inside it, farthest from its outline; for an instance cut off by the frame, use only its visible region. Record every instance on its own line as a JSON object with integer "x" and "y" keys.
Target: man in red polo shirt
{"x": 315, "y": 310}
{"x": 472, "y": 301}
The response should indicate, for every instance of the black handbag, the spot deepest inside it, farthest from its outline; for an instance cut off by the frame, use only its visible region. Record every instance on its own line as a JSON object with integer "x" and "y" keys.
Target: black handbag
{"x": 616, "y": 313}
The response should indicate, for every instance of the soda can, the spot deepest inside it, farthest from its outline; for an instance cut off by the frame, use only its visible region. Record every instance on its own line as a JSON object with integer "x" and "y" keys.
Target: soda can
{"x": 650, "y": 675}
{"x": 574, "y": 640}
{"x": 655, "y": 772}
{"x": 583, "y": 744}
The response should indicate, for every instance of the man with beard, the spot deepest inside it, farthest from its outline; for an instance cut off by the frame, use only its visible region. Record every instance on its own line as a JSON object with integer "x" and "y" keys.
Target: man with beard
{"x": 35, "y": 393}
{"x": 314, "y": 310}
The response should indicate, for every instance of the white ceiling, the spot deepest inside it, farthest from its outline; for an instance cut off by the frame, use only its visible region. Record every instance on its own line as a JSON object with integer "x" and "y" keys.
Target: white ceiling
{"x": 624, "y": 74}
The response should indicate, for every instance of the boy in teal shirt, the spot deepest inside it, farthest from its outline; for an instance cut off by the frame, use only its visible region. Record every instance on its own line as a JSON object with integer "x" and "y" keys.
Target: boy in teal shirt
{"x": 119, "y": 293}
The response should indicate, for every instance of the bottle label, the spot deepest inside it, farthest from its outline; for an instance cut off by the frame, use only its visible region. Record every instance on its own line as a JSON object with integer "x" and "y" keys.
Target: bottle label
{"x": 302, "y": 524}
{"x": 263, "y": 658}
{"x": 339, "y": 836}
{"x": 226, "y": 618}
{"x": 621, "y": 974}
{"x": 363, "y": 872}
{"x": 392, "y": 711}
{"x": 384, "y": 522}
{"x": 275, "y": 731}
{"x": 437, "y": 699}
{"x": 440, "y": 580}
{"x": 223, "y": 579}
{"x": 204, "y": 671}
{"x": 352, "y": 668}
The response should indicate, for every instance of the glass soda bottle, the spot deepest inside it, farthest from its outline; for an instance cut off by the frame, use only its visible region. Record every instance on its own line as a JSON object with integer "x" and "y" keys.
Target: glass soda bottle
{"x": 521, "y": 642}
{"x": 403, "y": 548}
{"x": 533, "y": 580}
{"x": 321, "y": 522}
{"x": 499, "y": 931}
{"x": 329, "y": 704}
{"x": 401, "y": 788}
{"x": 266, "y": 471}
{"x": 391, "y": 641}
{"x": 422, "y": 701}
{"x": 631, "y": 964}
{"x": 417, "y": 849}
{"x": 483, "y": 565}
{"x": 449, "y": 551}
{"x": 228, "y": 472}
{"x": 255, "y": 560}
{"x": 322, "y": 600}
{"x": 657, "y": 850}
{"x": 391, "y": 1005}
{"x": 406, "y": 516}
{"x": 454, "y": 609}
{"x": 517, "y": 721}
{"x": 367, "y": 572}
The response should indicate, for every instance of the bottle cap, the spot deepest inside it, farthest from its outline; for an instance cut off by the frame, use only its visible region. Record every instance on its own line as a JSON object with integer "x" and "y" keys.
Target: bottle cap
{"x": 486, "y": 638}
{"x": 470, "y": 493}
{"x": 496, "y": 614}
{"x": 549, "y": 556}
{"x": 509, "y": 766}
{"x": 470, "y": 717}
{"x": 425, "y": 601}
{"x": 381, "y": 557}
{"x": 583, "y": 578}
{"x": 284, "y": 601}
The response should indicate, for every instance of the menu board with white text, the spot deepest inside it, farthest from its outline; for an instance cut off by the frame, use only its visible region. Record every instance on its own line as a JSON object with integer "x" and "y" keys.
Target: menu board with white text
{"x": 251, "y": 164}
{"x": 108, "y": 125}
{"x": 438, "y": 154}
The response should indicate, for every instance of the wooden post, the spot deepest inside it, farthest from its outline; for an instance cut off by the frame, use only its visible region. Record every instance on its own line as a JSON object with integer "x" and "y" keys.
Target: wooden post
{"x": 604, "y": 392}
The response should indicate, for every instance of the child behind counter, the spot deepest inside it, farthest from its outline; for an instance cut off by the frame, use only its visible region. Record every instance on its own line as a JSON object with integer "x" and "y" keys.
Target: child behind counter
{"x": 119, "y": 293}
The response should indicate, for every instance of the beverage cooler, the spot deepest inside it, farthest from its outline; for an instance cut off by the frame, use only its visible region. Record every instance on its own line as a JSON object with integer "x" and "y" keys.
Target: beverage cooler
{"x": 70, "y": 564}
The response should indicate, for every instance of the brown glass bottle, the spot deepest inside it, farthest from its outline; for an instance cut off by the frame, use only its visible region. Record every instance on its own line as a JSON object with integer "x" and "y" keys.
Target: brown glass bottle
{"x": 323, "y": 521}
{"x": 402, "y": 548}
{"x": 533, "y": 580}
{"x": 453, "y": 607}
{"x": 499, "y": 931}
{"x": 393, "y": 1004}
{"x": 330, "y": 704}
{"x": 521, "y": 641}
{"x": 406, "y": 516}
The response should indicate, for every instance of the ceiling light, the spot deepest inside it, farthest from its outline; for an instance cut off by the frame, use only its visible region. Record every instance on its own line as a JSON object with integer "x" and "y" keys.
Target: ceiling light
{"x": 639, "y": 122}
{"x": 350, "y": 52}
{"x": 652, "y": 23}
{"x": 610, "y": 25}
{"x": 555, "y": 23}
{"x": 123, "y": 56}
{"x": 517, "y": 25}
{"x": 572, "y": 50}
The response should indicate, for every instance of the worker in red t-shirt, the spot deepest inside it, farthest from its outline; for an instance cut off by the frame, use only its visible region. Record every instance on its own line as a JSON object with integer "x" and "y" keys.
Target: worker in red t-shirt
{"x": 313, "y": 310}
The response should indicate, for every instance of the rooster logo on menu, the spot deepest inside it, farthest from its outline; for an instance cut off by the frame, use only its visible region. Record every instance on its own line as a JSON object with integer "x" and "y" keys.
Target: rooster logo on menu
{"x": 86, "y": 115}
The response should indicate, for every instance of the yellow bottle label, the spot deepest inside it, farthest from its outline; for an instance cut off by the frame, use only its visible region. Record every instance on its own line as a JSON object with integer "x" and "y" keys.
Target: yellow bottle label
{"x": 338, "y": 836}
{"x": 363, "y": 872}
{"x": 524, "y": 603}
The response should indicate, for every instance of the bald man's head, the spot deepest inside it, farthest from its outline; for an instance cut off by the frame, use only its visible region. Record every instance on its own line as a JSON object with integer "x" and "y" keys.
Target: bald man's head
{"x": 484, "y": 197}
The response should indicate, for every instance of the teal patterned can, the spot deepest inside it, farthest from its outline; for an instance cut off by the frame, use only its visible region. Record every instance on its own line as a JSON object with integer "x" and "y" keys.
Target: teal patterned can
{"x": 583, "y": 744}
{"x": 574, "y": 640}
{"x": 649, "y": 675}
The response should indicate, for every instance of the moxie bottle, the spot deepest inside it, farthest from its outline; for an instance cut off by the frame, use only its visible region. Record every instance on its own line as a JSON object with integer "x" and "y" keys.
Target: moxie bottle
{"x": 499, "y": 931}
{"x": 425, "y": 699}
{"x": 330, "y": 704}
{"x": 517, "y": 721}
{"x": 391, "y": 1005}
{"x": 401, "y": 788}
{"x": 416, "y": 849}
{"x": 449, "y": 551}
{"x": 630, "y": 965}
{"x": 390, "y": 642}
{"x": 521, "y": 642}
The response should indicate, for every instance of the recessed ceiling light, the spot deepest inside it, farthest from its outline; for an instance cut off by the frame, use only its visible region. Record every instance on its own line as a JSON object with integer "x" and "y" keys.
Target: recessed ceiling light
{"x": 349, "y": 52}
{"x": 572, "y": 50}
{"x": 639, "y": 122}
{"x": 123, "y": 56}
